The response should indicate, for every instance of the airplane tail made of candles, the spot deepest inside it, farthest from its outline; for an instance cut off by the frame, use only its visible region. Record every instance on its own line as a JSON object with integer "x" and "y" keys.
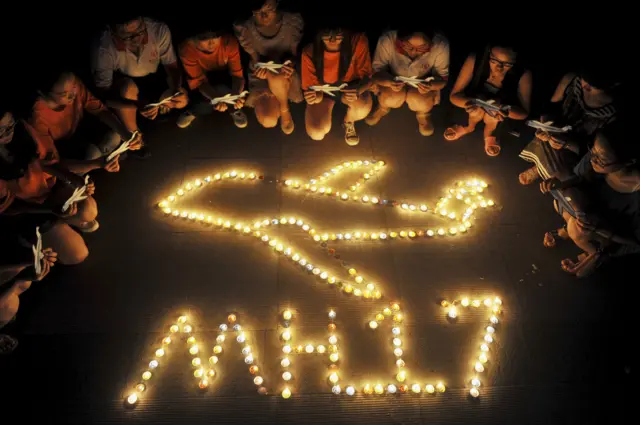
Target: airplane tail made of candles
{"x": 354, "y": 283}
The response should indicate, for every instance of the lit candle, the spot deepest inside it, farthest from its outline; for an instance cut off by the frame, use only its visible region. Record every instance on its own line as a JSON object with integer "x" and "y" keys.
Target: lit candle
{"x": 196, "y": 362}
{"x": 213, "y": 360}
{"x": 217, "y": 349}
{"x": 400, "y": 363}
{"x": 193, "y": 350}
{"x": 146, "y": 375}
{"x": 334, "y": 357}
{"x": 286, "y": 315}
{"x": 378, "y": 389}
{"x": 321, "y": 349}
{"x": 132, "y": 399}
{"x": 430, "y": 389}
{"x": 474, "y": 392}
{"x": 309, "y": 348}
{"x": 336, "y": 389}
{"x": 350, "y": 390}
{"x": 401, "y": 376}
{"x": 440, "y": 387}
{"x": 395, "y": 330}
{"x": 153, "y": 364}
{"x": 483, "y": 358}
{"x": 333, "y": 378}
{"x": 415, "y": 388}
{"x": 397, "y": 352}
{"x": 286, "y": 376}
{"x": 258, "y": 380}
{"x": 391, "y": 389}
{"x": 286, "y": 349}
{"x": 397, "y": 342}
{"x": 479, "y": 367}
{"x": 373, "y": 324}
{"x": 286, "y": 393}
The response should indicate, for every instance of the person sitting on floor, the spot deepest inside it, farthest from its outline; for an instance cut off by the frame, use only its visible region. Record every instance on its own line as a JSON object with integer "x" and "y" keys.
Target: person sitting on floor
{"x": 583, "y": 101}
{"x": 126, "y": 63}
{"x": 14, "y": 280}
{"x": 600, "y": 203}
{"x": 336, "y": 57}
{"x": 64, "y": 137}
{"x": 33, "y": 193}
{"x": 272, "y": 35}
{"x": 410, "y": 53}
{"x": 493, "y": 75}
{"x": 211, "y": 61}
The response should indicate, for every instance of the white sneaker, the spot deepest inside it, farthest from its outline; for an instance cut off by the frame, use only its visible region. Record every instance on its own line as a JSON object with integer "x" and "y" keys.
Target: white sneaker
{"x": 350, "y": 135}
{"x": 239, "y": 118}
{"x": 185, "y": 119}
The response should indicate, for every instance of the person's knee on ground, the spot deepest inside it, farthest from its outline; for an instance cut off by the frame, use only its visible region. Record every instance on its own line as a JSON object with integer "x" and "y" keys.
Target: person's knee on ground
{"x": 390, "y": 99}
{"x": 87, "y": 210}
{"x": 69, "y": 245}
{"x": 420, "y": 102}
{"x": 267, "y": 110}
{"x": 108, "y": 144}
{"x": 318, "y": 132}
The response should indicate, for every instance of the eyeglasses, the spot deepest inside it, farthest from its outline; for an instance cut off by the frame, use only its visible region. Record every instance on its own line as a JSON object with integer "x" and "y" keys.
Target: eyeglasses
{"x": 596, "y": 159}
{"x": 501, "y": 64}
{"x": 265, "y": 12}
{"x": 410, "y": 48}
{"x": 333, "y": 36}
{"x": 133, "y": 35}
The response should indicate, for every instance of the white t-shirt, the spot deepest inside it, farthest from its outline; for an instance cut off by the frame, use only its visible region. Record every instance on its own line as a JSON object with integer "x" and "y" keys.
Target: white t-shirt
{"x": 108, "y": 57}
{"x": 435, "y": 62}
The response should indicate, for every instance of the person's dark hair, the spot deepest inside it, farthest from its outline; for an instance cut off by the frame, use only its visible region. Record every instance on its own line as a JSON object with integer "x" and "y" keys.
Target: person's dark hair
{"x": 599, "y": 77}
{"x": 124, "y": 17}
{"x": 22, "y": 148}
{"x": 484, "y": 68}
{"x": 257, "y": 4}
{"x": 346, "y": 52}
{"x": 405, "y": 32}
{"x": 49, "y": 77}
{"x": 616, "y": 137}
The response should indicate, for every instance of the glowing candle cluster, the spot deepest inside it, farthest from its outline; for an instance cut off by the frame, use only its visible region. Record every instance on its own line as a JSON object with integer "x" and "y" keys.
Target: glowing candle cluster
{"x": 468, "y": 194}
{"x": 494, "y": 307}
{"x": 204, "y": 369}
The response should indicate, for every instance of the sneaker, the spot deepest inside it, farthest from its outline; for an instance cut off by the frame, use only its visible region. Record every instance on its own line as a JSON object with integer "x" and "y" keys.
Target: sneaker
{"x": 350, "y": 135}
{"x": 89, "y": 227}
{"x": 239, "y": 118}
{"x": 425, "y": 126}
{"x": 375, "y": 117}
{"x": 185, "y": 119}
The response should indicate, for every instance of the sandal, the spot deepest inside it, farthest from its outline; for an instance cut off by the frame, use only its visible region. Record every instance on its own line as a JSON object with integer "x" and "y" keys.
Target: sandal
{"x": 456, "y": 132}
{"x": 7, "y": 344}
{"x": 529, "y": 176}
{"x": 550, "y": 237}
{"x": 491, "y": 146}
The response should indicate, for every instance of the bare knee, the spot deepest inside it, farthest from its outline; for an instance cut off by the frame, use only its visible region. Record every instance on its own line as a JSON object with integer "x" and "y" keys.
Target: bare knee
{"x": 67, "y": 243}
{"x": 88, "y": 209}
{"x": 359, "y": 109}
{"x": 419, "y": 102}
{"x": 75, "y": 253}
{"x": 575, "y": 232}
{"x": 317, "y": 133}
{"x": 391, "y": 99}
{"x": 8, "y": 308}
{"x": 268, "y": 120}
{"x": 129, "y": 90}
{"x": 267, "y": 111}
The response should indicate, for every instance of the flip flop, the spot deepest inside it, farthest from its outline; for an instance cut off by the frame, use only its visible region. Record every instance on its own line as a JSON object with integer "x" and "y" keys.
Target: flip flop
{"x": 455, "y": 132}
{"x": 491, "y": 146}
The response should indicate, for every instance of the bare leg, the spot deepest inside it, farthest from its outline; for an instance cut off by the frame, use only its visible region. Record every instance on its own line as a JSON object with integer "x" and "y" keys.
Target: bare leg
{"x": 67, "y": 243}
{"x": 267, "y": 110}
{"x": 422, "y": 104}
{"x": 490, "y": 125}
{"x": 318, "y": 118}
{"x": 359, "y": 109}
{"x": 87, "y": 212}
{"x": 128, "y": 115}
{"x": 387, "y": 100}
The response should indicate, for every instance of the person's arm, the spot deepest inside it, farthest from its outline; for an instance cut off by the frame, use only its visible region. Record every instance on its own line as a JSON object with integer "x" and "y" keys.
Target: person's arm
{"x": 441, "y": 67}
{"x": 240, "y": 31}
{"x": 362, "y": 63}
{"x": 308, "y": 70}
{"x": 235, "y": 66}
{"x": 95, "y": 107}
{"x": 457, "y": 96}
{"x": 520, "y": 112}
{"x": 168, "y": 59}
{"x": 381, "y": 61}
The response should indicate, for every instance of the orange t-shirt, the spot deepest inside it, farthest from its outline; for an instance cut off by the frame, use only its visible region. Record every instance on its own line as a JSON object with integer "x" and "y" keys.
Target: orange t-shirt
{"x": 48, "y": 126}
{"x": 197, "y": 63}
{"x": 34, "y": 186}
{"x": 6, "y": 197}
{"x": 359, "y": 68}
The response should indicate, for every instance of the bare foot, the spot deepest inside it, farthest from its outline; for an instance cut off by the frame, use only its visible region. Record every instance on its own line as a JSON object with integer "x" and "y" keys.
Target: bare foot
{"x": 586, "y": 264}
{"x": 529, "y": 176}
{"x": 550, "y": 237}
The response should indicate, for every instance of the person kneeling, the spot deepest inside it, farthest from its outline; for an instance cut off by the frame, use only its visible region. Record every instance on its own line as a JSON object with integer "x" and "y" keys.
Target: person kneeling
{"x": 413, "y": 55}
{"x": 337, "y": 58}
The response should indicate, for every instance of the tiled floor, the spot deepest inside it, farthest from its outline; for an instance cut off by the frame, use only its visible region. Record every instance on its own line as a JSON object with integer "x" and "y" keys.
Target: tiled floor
{"x": 88, "y": 331}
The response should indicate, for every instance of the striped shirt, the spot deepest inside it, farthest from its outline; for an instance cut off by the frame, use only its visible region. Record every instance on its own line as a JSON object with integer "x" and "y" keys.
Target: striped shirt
{"x": 583, "y": 119}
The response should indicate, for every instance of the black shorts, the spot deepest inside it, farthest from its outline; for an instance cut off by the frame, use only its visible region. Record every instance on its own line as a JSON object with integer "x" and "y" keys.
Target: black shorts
{"x": 150, "y": 87}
